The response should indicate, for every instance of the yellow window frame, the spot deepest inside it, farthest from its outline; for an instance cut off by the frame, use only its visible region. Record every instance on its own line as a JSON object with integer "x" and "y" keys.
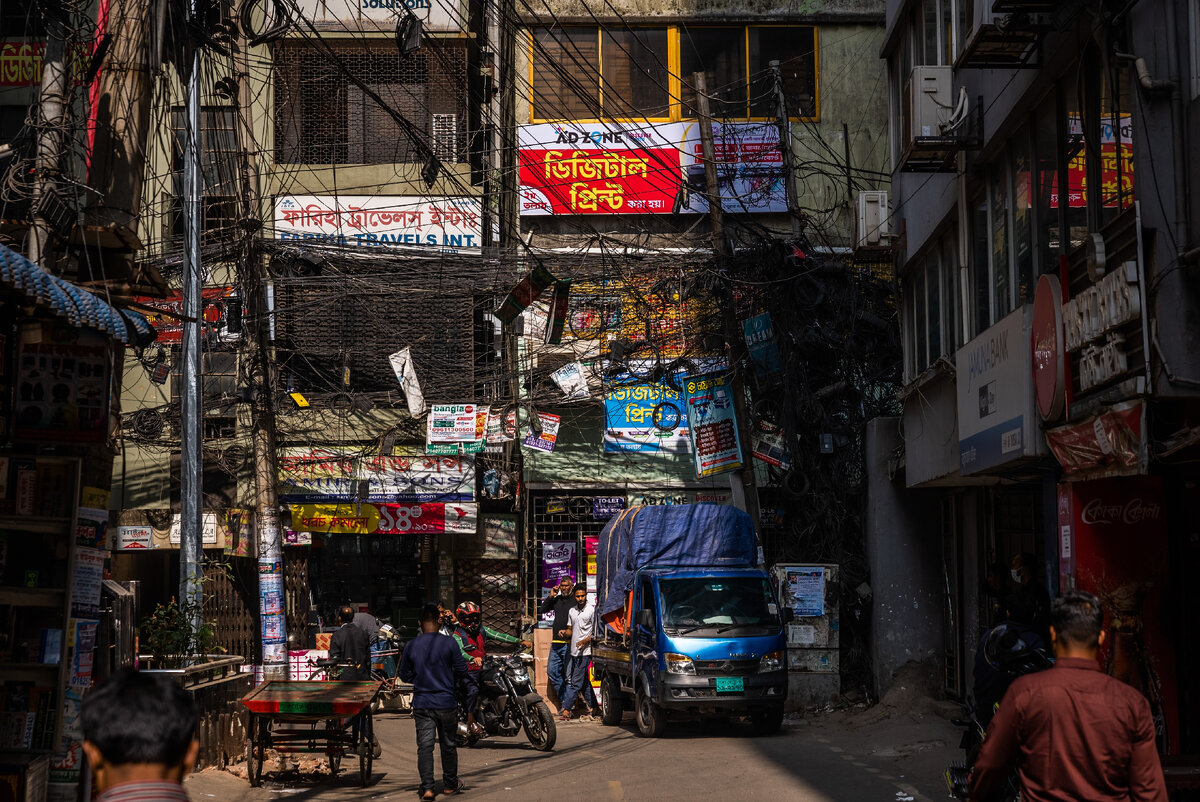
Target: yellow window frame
{"x": 674, "y": 79}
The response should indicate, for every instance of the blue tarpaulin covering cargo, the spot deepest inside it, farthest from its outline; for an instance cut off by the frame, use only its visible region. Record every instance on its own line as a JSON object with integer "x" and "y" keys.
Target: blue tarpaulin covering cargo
{"x": 713, "y": 535}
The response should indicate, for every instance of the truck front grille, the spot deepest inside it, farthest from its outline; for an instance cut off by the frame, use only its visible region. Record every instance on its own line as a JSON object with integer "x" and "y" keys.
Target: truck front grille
{"x": 722, "y": 668}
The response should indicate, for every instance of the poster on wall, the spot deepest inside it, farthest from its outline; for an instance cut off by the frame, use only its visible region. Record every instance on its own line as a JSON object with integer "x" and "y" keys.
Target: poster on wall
{"x": 749, "y": 168}
{"x": 559, "y": 559}
{"x": 716, "y": 446}
{"x": 61, "y": 384}
{"x": 500, "y": 537}
{"x": 321, "y": 475}
{"x": 375, "y": 222}
{"x": 646, "y": 418}
{"x": 549, "y": 434}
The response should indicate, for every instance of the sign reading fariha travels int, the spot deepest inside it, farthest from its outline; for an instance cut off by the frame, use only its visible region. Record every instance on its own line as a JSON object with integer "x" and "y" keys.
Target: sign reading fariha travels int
{"x": 369, "y": 222}
{"x": 435, "y": 15}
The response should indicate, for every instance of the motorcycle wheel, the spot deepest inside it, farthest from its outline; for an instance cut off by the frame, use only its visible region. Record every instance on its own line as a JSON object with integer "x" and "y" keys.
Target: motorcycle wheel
{"x": 541, "y": 730}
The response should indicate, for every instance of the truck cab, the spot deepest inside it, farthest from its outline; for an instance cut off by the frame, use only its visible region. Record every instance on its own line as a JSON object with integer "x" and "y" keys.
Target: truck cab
{"x": 701, "y": 643}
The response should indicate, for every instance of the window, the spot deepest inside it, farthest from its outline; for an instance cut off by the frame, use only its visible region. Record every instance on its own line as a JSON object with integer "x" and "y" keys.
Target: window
{"x": 1022, "y": 234}
{"x": 218, "y": 166}
{"x": 322, "y": 117}
{"x": 218, "y": 376}
{"x": 1001, "y": 262}
{"x": 931, "y": 307}
{"x": 636, "y": 73}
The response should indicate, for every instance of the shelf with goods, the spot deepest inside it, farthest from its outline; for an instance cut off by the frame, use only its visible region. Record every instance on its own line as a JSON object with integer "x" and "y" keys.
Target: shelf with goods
{"x": 38, "y": 552}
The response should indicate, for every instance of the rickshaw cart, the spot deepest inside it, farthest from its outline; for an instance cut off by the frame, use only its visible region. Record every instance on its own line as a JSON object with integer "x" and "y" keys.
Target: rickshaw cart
{"x": 287, "y": 717}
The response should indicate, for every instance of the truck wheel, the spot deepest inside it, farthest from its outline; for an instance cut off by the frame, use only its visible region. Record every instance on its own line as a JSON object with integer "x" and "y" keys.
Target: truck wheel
{"x": 611, "y": 702}
{"x": 767, "y": 722}
{"x": 651, "y": 719}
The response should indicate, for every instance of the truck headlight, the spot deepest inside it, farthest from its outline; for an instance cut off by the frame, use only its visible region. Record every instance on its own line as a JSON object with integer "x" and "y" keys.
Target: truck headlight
{"x": 771, "y": 661}
{"x": 679, "y": 664}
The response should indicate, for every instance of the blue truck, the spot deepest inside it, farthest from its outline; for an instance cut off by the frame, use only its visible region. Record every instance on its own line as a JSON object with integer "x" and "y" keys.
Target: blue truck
{"x": 689, "y": 626}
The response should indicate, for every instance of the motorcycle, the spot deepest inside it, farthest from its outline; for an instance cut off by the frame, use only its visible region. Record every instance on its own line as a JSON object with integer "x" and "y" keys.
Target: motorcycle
{"x": 508, "y": 704}
{"x": 1008, "y": 653}
{"x": 385, "y": 663}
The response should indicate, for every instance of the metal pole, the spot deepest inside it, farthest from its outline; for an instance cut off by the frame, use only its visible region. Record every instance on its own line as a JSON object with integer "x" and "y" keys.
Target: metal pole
{"x": 49, "y": 146}
{"x": 192, "y": 409}
{"x": 268, "y": 533}
{"x": 785, "y": 149}
{"x": 741, "y": 483}
{"x": 510, "y": 223}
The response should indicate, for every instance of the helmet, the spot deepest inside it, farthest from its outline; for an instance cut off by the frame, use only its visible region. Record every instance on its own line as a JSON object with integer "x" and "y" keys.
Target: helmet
{"x": 1006, "y": 649}
{"x": 468, "y": 614}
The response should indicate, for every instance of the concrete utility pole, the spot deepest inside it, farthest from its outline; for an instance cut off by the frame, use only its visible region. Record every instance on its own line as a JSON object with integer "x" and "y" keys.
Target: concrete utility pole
{"x": 51, "y": 99}
{"x": 191, "y": 493}
{"x": 268, "y": 534}
{"x": 510, "y": 221}
{"x": 785, "y": 149}
{"x": 741, "y": 483}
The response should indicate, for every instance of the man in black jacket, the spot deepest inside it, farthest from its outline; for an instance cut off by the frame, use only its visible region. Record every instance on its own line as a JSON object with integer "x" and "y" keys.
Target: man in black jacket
{"x": 349, "y": 645}
{"x": 560, "y": 601}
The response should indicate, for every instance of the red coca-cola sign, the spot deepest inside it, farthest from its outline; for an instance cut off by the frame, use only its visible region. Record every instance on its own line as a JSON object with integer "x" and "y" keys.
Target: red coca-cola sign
{"x": 1098, "y": 512}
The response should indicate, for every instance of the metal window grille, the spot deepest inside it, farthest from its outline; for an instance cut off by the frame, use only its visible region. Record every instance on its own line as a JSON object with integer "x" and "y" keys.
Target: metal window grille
{"x": 322, "y": 117}
{"x": 561, "y": 516}
{"x": 494, "y": 583}
{"x": 219, "y": 173}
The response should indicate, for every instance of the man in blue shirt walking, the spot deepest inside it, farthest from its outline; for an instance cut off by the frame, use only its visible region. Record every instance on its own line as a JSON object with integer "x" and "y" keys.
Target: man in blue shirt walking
{"x": 435, "y": 666}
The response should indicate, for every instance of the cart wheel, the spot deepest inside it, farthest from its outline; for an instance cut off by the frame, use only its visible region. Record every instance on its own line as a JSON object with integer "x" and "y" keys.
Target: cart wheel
{"x": 366, "y": 750}
{"x": 333, "y": 747}
{"x": 257, "y": 751}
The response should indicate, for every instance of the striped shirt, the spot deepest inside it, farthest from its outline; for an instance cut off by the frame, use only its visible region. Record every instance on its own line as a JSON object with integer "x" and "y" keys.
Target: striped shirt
{"x": 145, "y": 791}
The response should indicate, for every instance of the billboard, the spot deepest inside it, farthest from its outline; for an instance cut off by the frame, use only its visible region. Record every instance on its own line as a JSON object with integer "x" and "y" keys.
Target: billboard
{"x": 325, "y": 476}
{"x": 372, "y": 222}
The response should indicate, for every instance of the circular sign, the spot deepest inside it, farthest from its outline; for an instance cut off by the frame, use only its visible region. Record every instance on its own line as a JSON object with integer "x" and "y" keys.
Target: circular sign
{"x": 1049, "y": 358}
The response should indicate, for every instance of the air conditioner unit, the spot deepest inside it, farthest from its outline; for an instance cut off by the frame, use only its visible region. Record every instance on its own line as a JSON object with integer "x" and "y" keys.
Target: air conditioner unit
{"x": 927, "y": 100}
{"x": 873, "y": 221}
{"x": 445, "y": 137}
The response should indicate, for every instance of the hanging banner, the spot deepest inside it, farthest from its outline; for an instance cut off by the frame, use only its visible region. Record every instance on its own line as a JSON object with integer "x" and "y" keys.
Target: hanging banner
{"x": 453, "y": 423}
{"x": 645, "y": 417}
{"x": 1107, "y": 443}
{"x": 323, "y": 475}
{"x": 599, "y": 168}
{"x": 549, "y": 436}
{"x": 406, "y": 374}
{"x": 711, "y": 418}
{"x": 385, "y": 519}
{"x": 370, "y": 222}
{"x": 383, "y": 15}
{"x": 764, "y": 352}
{"x": 219, "y": 306}
{"x": 559, "y": 559}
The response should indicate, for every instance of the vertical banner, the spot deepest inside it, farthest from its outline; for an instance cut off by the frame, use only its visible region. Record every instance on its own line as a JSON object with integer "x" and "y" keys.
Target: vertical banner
{"x": 712, "y": 425}
{"x": 558, "y": 560}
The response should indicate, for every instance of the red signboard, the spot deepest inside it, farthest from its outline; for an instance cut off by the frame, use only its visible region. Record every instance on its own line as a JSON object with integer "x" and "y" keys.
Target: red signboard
{"x": 170, "y": 327}
{"x": 1049, "y": 382}
{"x": 1113, "y": 542}
{"x": 629, "y": 181}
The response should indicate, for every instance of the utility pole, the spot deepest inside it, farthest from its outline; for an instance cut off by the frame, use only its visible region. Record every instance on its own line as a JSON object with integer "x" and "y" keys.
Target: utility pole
{"x": 741, "y": 482}
{"x": 785, "y": 149}
{"x": 191, "y": 495}
{"x": 268, "y": 535}
{"x": 51, "y": 99}
{"x": 510, "y": 229}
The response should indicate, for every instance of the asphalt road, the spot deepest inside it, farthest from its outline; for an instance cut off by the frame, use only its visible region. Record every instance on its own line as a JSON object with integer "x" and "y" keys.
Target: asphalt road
{"x": 818, "y": 760}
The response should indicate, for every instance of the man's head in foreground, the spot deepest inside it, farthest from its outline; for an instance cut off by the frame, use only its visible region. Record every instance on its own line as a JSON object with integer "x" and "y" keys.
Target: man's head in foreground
{"x": 1077, "y": 625}
{"x": 138, "y": 728}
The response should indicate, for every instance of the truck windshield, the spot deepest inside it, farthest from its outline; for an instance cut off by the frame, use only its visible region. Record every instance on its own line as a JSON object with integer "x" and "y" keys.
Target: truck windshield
{"x": 725, "y": 604}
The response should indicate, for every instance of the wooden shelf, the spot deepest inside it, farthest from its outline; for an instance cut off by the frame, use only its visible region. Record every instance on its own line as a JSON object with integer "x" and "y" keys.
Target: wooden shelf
{"x": 33, "y": 597}
{"x": 35, "y": 523}
{"x": 30, "y": 672}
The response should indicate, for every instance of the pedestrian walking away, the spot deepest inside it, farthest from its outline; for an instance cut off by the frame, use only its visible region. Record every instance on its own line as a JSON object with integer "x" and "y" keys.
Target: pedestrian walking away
{"x": 582, "y": 627}
{"x": 1072, "y": 732}
{"x": 139, "y": 735}
{"x": 435, "y": 666}
{"x": 349, "y": 645}
{"x": 560, "y": 602}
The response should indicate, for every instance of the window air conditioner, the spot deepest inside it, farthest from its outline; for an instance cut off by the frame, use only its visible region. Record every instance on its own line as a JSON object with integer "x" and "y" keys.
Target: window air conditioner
{"x": 873, "y": 223}
{"x": 927, "y": 100}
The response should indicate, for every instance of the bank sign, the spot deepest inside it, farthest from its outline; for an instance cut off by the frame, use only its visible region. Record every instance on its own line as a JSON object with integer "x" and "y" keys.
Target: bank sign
{"x": 997, "y": 423}
{"x": 381, "y": 222}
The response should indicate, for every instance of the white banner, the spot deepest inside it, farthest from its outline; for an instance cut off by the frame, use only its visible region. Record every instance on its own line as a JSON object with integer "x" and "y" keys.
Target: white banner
{"x": 435, "y": 15}
{"x": 365, "y": 222}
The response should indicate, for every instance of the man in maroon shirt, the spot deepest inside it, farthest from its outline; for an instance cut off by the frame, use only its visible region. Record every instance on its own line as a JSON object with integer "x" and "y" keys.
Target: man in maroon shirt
{"x": 1072, "y": 732}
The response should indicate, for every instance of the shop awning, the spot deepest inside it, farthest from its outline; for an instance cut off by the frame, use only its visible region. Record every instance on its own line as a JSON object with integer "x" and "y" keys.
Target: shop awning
{"x": 77, "y": 305}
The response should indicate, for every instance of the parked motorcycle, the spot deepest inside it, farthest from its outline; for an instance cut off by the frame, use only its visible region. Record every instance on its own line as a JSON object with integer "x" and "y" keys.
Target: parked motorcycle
{"x": 508, "y": 704}
{"x": 1007, "y": 652}
{"x": 385, "y": 663}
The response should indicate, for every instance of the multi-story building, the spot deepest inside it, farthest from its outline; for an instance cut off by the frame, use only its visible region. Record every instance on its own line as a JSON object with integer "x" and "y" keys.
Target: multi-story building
{"x": 1042, "y": 174}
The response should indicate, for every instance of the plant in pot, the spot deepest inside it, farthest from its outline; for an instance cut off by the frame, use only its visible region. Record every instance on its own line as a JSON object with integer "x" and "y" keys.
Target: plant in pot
{"x": 173, "y": 641}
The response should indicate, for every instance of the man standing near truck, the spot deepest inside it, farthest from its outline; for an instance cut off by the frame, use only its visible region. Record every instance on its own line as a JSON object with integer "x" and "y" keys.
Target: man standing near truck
{"x": 561, "y": 602}
{"x": 581, "y": 630}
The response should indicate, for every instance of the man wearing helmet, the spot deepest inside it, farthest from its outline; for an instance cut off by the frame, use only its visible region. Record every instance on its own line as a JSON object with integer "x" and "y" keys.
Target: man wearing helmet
{"x": 472, "y": 637}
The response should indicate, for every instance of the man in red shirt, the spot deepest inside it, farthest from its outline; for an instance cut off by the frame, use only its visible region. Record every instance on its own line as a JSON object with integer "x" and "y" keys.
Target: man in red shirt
{"x": 1072, "y": 732}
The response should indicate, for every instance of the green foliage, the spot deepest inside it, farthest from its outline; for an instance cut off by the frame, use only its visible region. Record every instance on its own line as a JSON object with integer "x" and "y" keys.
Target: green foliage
{"x": 169, "y": 635}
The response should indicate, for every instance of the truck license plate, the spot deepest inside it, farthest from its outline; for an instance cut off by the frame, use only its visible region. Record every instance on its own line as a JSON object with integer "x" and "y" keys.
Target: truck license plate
{"x": 729, "y": 685}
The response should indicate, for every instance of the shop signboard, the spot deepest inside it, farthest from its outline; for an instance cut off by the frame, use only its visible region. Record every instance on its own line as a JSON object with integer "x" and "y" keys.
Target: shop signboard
{"x": 217, "y": 306}
{"x": 210, "y": 528}
{"x": 650, "y": 498}
{"x": 712, "y": 423}
{"x": 559, "y": 559}
{"x": 599, "y": 168}
{"x": 644, "y": 417}
{"x": 434, "y": 15}
{"x": 1114, "y": 543}
{"x": 329, "y": 475}
{"x": 21, "y": 62}
{"x": 375, "y": 222}
{"x": 605, "y": 507}
{"x": 135, "y": 537}
{"x": 997, "y": 423}
{"x": 385, "y": 519}
{"x": 749, "y": 168}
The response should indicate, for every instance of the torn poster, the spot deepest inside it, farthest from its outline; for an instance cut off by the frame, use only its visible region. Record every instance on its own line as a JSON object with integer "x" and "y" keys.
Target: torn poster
{"x": 402, "y": 364}
{"x": 525, "y": 293}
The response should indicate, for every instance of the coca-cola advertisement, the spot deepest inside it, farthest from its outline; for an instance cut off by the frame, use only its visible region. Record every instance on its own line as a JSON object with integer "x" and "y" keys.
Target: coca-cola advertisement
{"x": 1113, "y": 542}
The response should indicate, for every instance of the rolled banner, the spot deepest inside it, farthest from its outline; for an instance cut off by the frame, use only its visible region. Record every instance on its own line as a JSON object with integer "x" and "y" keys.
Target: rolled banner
{"x": 526, "y": 292}
{"x": 406, "y": 374}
